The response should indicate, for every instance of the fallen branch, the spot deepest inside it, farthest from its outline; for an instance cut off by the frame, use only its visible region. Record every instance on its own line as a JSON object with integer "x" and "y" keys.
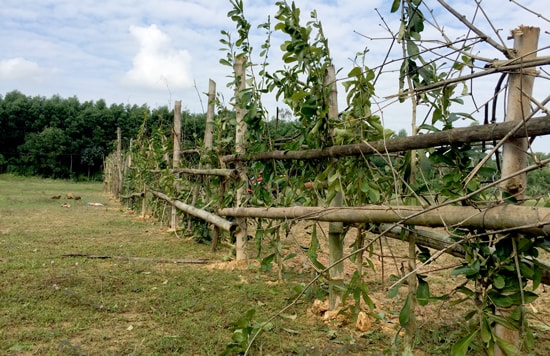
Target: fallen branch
{"x": 146, "y": 259}
{"x": 199, "y": 213}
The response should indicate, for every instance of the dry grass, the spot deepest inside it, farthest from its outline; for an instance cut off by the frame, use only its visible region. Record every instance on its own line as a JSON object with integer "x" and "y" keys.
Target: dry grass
{"x": 54, "y": 304}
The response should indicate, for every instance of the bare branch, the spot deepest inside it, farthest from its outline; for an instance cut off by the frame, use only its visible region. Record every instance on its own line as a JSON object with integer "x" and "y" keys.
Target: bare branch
{"x": 490, "y": 70}
{"x": 529, "y": 10}
{"x": 508, "y": 53}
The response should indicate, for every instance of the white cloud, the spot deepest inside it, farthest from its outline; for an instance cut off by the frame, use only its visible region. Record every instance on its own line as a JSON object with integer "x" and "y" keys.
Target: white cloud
{"x": 20, "y": 68}
{"x": 158, "y": 64}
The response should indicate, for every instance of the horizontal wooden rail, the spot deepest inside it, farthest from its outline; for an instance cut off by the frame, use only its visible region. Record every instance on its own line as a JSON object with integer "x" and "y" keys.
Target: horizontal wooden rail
{"x": 534, "y": 127}
{"x": 525, "y": 219}
{"x": 228, "y": 173}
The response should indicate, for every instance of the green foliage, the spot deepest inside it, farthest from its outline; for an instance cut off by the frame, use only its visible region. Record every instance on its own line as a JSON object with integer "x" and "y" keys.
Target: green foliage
{"x": 301, "y": 82}
{"x": 64, "y": 138}
{"x": 244, "y": 330}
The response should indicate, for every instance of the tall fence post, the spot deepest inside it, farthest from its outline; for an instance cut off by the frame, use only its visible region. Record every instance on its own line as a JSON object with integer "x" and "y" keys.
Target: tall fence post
{"x": 208, "y": 145}
{"x": 119, "y": 169}
{"x": 335, "y": 229}
{"x": 240, "y": 148}
{"x": 176, "y": 139}
{"x": 210, "y": 113}
{"x": 520, "y": 90}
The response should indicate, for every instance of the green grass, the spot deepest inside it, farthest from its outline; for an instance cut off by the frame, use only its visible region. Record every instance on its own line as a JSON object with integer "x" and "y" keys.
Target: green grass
{"x": 53, "y": 304}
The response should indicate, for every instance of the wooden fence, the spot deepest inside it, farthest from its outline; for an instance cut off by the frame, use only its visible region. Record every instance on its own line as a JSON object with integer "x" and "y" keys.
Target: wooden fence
{"x": 513, "y": 134}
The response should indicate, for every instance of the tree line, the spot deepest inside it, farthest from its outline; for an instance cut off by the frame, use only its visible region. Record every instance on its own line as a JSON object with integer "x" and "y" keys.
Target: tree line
{"x": 64, "y": 138}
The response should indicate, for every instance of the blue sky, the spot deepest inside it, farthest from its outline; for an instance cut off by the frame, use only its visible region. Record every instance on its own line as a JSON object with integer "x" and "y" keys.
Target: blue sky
{"x": 156, "y": 52}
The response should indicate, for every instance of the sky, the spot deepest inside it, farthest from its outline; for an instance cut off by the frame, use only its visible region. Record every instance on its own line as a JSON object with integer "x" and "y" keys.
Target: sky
{"x": 156, "y": 52}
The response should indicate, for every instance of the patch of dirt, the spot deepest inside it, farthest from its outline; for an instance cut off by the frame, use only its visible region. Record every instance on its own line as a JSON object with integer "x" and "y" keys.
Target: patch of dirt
{"x": 382, "y": 266}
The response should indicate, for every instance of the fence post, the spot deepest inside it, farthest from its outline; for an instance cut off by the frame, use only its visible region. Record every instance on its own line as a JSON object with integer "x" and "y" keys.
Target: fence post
{"x": 176, "y": 139}
{"x": 208, "y": 145}
{"x": 520, "y": 90}
{"x": 210, "y": 113}
{"x": 240, "y": 148}
{"x": 118, "y": 164}
{"x": 335, "y": 229}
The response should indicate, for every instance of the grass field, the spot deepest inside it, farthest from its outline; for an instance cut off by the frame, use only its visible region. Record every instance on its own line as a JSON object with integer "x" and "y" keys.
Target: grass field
{"x": 54, "y": 300}
{"x": 54, "y": 304}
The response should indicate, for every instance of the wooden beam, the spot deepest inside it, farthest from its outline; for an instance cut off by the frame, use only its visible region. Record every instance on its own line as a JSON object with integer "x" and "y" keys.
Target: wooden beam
{"x": 534, "y": 127}
{"x": 524, "y": 219}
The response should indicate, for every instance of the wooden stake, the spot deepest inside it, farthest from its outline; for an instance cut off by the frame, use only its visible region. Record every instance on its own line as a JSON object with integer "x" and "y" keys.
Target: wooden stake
{"x": 336, "y": 228}
{"x": 176, "y": 138}
{"x": 520, "y": 90}
{"x": 210, "y": 113}
{"x": 240, "y": 148}
{"x": 119, "y": 170}
{"x": 209, "y": 145}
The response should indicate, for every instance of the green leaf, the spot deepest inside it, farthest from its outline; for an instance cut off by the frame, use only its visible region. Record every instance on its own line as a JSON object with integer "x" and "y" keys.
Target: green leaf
{"x": 374, "y": 196}
{"x": 499, "y": 282}
{"x": 312, "y": 251}
{"x": 526, "y": 270}
{"x": 466, "y": 270}
{"x": 486, "y": 331}
{"x": 504, "y": 321}
{"x": 289, "y": 256}
{"x": 366, "y": 298}
{"x": 428, "y": 128}
{"x": 364, "y": 186}
{"x": 267, "y": 262}
{"x": 500, "y": 300}
{"x": 393, "y": 292}
{"x": 412, "y": 49}
{"x": 508, "y": 348}
{"x": 355, "y": 72}
{"x": 405, "y": 313}
{"x": 422, "y": 292}
{"x": 462, "y": 345}
{"x": 395, "y": 5}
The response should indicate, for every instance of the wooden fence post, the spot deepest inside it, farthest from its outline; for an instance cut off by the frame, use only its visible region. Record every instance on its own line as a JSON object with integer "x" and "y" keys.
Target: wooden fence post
{"x": 520, "y": 90}
{"x": 118, "y": 165}
{"x": 208, "y": 145}
{"x": 210, "y": 113}
{"x": 335, "y": 229}
{"x": 176, "y": 139}
{"x": 240, "y": 148}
